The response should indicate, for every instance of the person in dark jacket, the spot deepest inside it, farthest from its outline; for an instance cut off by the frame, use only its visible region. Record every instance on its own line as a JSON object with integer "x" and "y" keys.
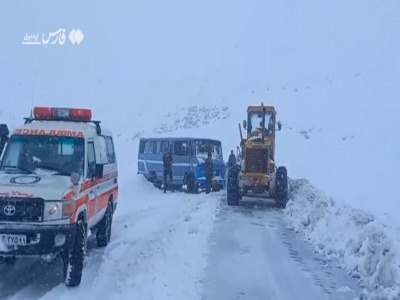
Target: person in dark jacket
{"x": 208, "y": 171}
{"x": 232, "y": 160}
{"x": 168, "y": 160}
{"x": 4, "y": 132}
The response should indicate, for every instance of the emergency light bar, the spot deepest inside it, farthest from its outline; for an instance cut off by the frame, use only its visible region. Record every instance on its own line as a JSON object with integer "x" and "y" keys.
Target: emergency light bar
{"x": 60, "y": 113}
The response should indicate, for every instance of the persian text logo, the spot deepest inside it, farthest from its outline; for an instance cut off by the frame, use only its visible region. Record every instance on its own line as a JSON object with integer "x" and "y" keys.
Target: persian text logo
{"x": 57, "y": 37}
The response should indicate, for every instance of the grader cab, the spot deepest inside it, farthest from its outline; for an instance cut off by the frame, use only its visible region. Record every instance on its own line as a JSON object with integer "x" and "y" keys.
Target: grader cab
{"x": 257, "y": 174}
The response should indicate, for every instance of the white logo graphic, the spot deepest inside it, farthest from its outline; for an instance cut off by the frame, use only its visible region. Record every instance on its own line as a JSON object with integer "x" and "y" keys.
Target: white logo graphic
{"x": 76, "y": 36}
{"x": 57, "y": 37}
{"x": 9, "y": 210}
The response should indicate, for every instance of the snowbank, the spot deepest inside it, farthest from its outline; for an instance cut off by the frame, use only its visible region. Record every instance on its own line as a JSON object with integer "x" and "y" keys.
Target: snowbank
{"x": 360, "y": 244}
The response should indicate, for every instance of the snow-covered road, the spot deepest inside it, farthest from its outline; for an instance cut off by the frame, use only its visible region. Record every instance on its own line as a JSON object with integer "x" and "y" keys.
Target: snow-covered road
{"x": 254, "y": 256}
{"x": 180, "y": 246}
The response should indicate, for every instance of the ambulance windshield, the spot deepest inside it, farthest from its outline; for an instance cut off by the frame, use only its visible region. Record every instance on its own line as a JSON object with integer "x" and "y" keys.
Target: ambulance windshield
{"x": 59, "y": 155}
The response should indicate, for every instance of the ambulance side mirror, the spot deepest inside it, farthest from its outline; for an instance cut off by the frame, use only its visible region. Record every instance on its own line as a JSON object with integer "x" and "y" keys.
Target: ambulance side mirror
{"x": 75, "y": 177}
{"x": 98, "y": 171}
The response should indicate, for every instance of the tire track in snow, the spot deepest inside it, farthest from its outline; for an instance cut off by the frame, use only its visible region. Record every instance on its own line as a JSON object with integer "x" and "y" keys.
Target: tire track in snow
{"x": 256, "y": 256}
{"x": 330, "y": 279}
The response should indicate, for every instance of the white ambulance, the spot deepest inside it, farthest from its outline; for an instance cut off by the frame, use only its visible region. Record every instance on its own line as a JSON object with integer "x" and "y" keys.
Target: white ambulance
{"x": 58, "y": 180}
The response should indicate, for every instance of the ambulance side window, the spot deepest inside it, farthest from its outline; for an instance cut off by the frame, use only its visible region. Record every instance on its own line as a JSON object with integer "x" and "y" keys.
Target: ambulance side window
{"x": 91, "y": 159}
{"x": 110, "y": 150}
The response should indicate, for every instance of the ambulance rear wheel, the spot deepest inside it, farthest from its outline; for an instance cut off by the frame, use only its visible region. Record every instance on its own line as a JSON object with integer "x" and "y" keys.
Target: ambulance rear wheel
{"x": 103, "y": 234}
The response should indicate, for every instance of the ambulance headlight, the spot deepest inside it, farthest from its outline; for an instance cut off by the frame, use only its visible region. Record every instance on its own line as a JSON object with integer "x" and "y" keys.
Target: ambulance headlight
{"x": 56, "y": 210}
{"x": 52, "y": 210}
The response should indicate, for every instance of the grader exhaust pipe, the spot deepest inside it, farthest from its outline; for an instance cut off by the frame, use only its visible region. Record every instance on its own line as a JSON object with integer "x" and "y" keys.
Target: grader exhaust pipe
{"x": 241, "y": 134}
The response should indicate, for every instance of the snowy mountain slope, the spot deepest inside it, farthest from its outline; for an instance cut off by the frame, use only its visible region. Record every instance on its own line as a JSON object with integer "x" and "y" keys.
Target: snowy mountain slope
{"x": 329, "y": 67}
{"x": 332, "y": 66}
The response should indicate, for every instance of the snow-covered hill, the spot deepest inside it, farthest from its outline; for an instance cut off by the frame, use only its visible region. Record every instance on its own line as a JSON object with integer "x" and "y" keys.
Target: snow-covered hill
{"x": 331, "y": 69}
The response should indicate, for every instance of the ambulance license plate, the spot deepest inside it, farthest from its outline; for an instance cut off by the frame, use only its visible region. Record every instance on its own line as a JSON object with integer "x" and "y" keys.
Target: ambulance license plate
{"x": 13, "y": 239}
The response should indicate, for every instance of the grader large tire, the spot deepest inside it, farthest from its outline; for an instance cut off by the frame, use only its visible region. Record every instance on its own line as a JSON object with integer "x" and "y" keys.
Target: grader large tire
{"x": 281, "y": 187}
{"x": 232, "y": 187}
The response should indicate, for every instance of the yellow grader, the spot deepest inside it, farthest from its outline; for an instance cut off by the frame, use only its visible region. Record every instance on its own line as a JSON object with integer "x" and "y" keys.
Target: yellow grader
{"x": 256, "y": 173}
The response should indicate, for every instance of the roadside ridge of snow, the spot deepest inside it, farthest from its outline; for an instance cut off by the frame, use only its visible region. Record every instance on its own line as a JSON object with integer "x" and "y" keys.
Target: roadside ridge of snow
{"x": 364, "y": 247}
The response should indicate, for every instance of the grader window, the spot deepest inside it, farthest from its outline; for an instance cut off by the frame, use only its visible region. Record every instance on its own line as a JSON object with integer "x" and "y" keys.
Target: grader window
{"x": 256, "y": 126}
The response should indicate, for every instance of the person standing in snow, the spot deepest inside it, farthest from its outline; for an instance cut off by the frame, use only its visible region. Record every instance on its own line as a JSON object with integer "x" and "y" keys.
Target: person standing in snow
{"x": 232, "y": 160}
{"x": 167, "y": 161}
{"x": 208, "y": 170}
{"x": 4, "y": 132}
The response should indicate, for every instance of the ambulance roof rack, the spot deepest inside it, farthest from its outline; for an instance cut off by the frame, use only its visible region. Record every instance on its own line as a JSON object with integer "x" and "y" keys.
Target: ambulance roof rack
{"x": 63, "y": 114}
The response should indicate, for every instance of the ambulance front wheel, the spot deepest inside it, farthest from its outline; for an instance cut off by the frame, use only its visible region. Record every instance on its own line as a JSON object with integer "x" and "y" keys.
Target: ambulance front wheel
{"x": 73, "y": 259}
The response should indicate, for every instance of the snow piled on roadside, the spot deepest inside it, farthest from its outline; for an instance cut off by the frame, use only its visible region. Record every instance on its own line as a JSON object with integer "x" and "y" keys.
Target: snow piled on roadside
{"x": 364, "y": 247}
